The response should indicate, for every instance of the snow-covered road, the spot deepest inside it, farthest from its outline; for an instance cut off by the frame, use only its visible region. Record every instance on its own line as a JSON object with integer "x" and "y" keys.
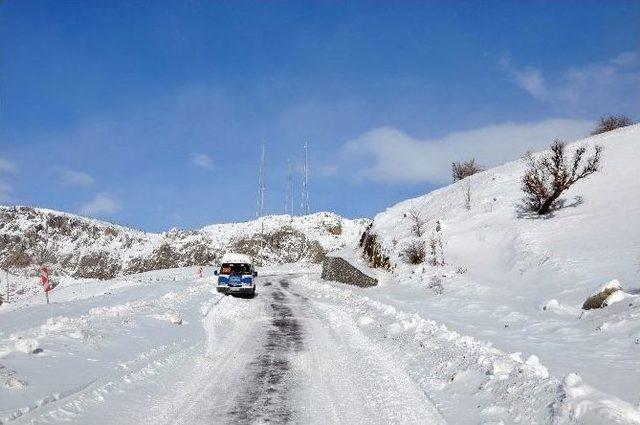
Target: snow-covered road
{"x": 278, "y": 358}
{"x": 165, "y": 348}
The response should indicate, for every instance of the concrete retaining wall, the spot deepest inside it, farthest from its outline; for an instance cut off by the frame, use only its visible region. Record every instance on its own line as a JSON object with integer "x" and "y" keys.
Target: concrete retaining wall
{"x": 339, "y": 270}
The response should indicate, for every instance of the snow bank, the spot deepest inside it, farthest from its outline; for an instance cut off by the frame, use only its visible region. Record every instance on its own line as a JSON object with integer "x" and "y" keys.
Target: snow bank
{"x": 450, "y": 366}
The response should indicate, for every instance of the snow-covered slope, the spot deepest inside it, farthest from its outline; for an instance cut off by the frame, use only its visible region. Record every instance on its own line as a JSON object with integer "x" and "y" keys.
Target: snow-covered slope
{"x": 519, "y": 280}
{"x": 87, "y": 248}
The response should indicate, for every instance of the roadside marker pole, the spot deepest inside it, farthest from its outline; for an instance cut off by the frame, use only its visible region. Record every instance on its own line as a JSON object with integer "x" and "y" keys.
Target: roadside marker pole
{"x": 6, "y": 276}
{"x": 47, "y": 285}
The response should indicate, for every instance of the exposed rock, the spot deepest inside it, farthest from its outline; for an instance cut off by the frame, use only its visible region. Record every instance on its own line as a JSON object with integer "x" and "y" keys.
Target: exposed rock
{"x": 334, "y": 228}
{"x": 285, "y": 245}
{"x": 98, "y": 265}
{"x": 340, "y": 270}
{"x": 372, "y": 250}
{"x": 602, "y": 296}
{"x": 88, "y": 248}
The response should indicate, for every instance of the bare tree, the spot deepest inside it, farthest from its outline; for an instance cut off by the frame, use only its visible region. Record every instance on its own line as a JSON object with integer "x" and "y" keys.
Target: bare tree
{"x": 611, "y": 122}
{"x": 418, "y": 223}
{"x": 462, "y": 169}
{"x": 548, "y": 176}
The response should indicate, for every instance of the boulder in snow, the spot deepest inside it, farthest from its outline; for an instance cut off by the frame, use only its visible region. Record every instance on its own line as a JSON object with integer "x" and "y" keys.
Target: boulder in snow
{"x": 608, "y": 294}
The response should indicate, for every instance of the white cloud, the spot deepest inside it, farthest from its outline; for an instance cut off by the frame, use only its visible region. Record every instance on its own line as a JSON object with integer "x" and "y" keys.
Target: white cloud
{"x": 75, "y": 178}
{"x": 388, "y": 155}
{"x": 603, "y": 87}
{"x": 530, "y": 79}
{"x": 201, "y": 160}
{"x": 611, "y": 80}
{"x": 101, "y": 204}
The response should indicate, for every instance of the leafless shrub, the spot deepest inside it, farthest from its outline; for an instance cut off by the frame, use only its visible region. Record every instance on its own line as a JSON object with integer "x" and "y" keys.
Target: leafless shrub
{"x": 415, "y": 252}
{"x": 435, "y": 284}
{"x": 418, "y": 222}
{"x": 462, "y": 169}
{"x": 548, "y": 176}
{"x": 611, "y": 122}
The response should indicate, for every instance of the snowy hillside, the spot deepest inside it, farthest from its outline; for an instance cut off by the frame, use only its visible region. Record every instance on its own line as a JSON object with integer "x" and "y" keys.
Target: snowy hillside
{"x": 519, "y": 280}
{"x": 87, "y": 248}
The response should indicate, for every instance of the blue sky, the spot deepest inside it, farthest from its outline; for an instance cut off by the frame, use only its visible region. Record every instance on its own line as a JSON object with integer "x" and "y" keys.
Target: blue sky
{"x": 151, "y": 113}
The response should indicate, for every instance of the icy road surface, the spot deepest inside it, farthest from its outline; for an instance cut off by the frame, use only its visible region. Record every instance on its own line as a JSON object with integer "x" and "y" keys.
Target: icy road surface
{"x": 164, "y": 348}
{"x": 279, "y": 358}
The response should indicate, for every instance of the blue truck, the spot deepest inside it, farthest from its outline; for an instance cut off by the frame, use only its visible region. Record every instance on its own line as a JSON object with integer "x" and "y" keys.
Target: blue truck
{"x": 236, "y": 275}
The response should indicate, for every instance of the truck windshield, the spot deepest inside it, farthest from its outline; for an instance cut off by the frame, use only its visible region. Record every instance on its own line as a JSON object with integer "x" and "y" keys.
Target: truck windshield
{"x": 235, "y": 268}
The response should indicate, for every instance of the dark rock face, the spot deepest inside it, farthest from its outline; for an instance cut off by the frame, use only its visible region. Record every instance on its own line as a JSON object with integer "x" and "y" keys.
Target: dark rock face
{"x": 98, "y": 265}
{"x": 339, "y": 270}
{"x": 372, "y": 251}
{"x": 166, "y": 256}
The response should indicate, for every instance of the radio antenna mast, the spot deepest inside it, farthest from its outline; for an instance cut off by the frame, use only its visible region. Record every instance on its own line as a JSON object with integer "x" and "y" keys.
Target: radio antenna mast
{"x": 288, "y": 202}
{"x": 261, "y": 186}
{"x": 305, "y": 181}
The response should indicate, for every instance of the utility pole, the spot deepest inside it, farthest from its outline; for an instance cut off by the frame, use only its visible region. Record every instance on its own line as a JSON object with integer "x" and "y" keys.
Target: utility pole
{"x": 261, "y": 186}
{"x": 288, "y": 202}
{"x": 305, "y": 182}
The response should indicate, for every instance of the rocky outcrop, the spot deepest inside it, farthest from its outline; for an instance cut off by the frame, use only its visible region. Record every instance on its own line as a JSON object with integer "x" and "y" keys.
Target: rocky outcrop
{"x": 87, "y": 248}
{"x": 372, "y": 250}
{"x": 606, "y": 295}
{"x": 340, "y": 270}
{"x": 285, "y": 245}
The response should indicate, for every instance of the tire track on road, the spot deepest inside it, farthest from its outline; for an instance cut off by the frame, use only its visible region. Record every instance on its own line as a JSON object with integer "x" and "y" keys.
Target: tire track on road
{"x": 267, "y": 394}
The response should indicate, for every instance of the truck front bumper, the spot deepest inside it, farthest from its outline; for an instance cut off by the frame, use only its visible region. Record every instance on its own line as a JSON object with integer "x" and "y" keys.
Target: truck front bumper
{"x": 236, "y": 289}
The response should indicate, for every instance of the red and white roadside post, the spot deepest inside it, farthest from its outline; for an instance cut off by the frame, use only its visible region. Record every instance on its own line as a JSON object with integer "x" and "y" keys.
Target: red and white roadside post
{"x": 47, "y": 285}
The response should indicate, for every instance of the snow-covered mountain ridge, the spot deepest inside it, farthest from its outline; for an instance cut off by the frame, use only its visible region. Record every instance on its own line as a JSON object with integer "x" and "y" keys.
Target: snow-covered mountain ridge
{"x": 519, "y": 280}
{"x": 87, "y": 248}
